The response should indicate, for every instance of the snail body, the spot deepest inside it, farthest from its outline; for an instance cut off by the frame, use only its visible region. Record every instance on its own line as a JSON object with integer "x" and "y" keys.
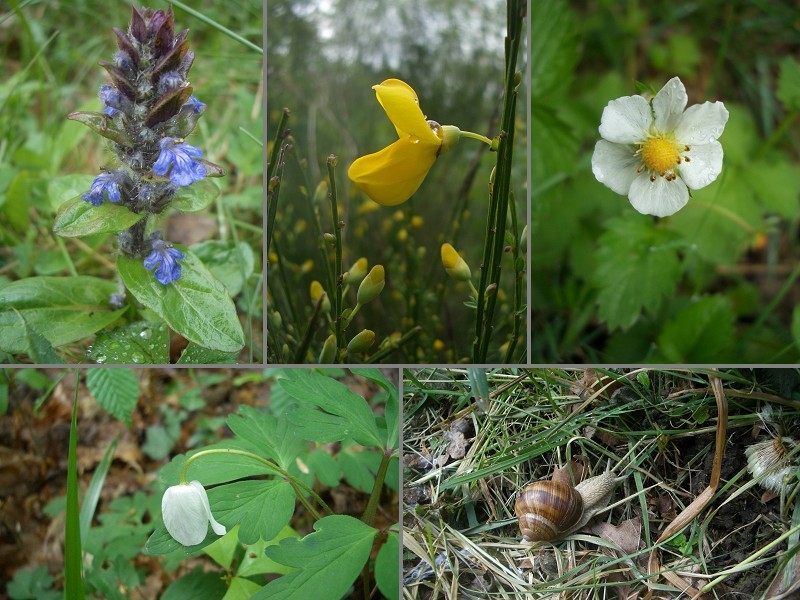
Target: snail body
{"x": 549, "y": 510}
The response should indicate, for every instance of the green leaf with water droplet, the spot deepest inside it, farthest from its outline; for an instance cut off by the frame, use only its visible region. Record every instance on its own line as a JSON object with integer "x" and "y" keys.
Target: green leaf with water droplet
{"x": 197, "y": 305}
{"x": 140, "y": 343}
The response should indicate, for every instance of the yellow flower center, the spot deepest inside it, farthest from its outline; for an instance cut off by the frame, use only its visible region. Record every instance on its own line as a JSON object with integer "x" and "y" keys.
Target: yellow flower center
{"x": 660, "y": 153}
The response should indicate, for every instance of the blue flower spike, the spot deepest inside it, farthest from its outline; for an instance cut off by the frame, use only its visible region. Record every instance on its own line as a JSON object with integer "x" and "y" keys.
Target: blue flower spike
{"x": 105, "y": 185}
{"x": 179, "y": 155}
{"x": 164, "y": 259}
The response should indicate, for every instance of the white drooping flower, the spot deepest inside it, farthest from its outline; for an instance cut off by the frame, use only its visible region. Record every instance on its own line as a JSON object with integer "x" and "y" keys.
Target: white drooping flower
{"x": 186, "y": 513}
{"x": 654, "y": 152}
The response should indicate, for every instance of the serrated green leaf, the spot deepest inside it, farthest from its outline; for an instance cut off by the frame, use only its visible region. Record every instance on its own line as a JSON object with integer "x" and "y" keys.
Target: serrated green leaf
{"x": 197, "y": 585}
{"x": 62, "y": 309}
{"x": 195, "y": 197}
{"x": 197, "y": 306}
{"x": 116, "y": 390}
{"x": 387, "y": 570}
{"x": 700, "y": 333}
{"x": 142, "y": 342}
{"x": 637, "y": 266}
{"x": 32, "y": 584}
{"x": 267, "y": 435}
{"x": 229, "y": 263}
{"x": 329, "y": 560}
{"x": 341, "y": 407}
{"x": 197, "y": 355}
{"x": 788, "y": 88}
{"x": 554, "y": 46}
{"x": 76, "y": 218}
{"x": 262, "y": 508}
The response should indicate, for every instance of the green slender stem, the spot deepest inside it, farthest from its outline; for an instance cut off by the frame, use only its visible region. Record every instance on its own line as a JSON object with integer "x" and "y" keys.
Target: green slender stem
{"x": 212, "y": 23}
{"x": 476, "y": 136}
{"x": 355, "y": 310}
{"x": 389, "y": 348}
{"x": 279, "y": 135}
{"x": 784, "y": 125}
{"x": 245, "y": 287}
{"x": 273, "y": 193}
{"x": 472, "y": 287}
{"x": 519, "y": 285}
{"x": 65, "y": 253}
{"x": 372, "y": 506}
{"x": 73, "y": 555}
{"x": 337, "y": 229}
{"x": 498, "y": 204}
{"x": 303, "y": 347}
{"x": 296, "y": 484}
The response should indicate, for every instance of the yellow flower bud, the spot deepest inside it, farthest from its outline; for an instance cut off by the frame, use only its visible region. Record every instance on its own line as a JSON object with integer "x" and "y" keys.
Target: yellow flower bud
{"x": 307, "y": 266}
{"x": 454, "y": 264}
{"x": 438, "y": 345}
{"x": 328, "y": 354}
{"x": 372, "y": 285}
{"x": 317, "y": 291}
{"x": 417, "y": 221}
{"x": 361, "y": 342}
{"x": 402, "y": 235}
{"x": 357, "y": 271}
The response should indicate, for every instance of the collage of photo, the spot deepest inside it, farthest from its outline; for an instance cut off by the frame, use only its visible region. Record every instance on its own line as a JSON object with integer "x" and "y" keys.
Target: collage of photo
{"x": 400, "y": 299}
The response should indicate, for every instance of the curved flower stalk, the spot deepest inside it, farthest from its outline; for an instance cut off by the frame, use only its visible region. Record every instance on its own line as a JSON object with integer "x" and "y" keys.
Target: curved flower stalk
{"x": 392, "y": 175}
{"x": 186, "y": 513}
{"x": 655, "y": 152}
{"x": 149, "y": 110}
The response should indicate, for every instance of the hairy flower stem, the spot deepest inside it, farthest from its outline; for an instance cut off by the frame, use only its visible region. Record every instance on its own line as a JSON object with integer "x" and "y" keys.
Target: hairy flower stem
{"x": 498, "y": 204}
{"x": 298, "y": 486}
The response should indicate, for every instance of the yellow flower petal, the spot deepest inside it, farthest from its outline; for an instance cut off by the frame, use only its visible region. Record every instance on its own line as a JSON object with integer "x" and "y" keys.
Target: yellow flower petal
{"x": 393, "y": 174}
{"x": 401, "y": 104}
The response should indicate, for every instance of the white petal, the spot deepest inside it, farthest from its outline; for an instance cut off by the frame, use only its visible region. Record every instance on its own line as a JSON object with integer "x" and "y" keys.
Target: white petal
{"x": 704, "y": 166}
{"x": 626, "y": 120}
{"x": 615, "y": 165}
{"x": 660, "y": 197}
{"x": 217, "y": 527}
{"x": 184, "y": 515}
{"x": 669, "y": 103}
{"x": 701, "y": 123}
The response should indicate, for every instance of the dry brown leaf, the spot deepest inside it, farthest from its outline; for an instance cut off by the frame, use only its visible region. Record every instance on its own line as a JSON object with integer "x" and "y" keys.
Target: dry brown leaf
{"x": 627, "y": 535}
{"x": 458, "y": 444}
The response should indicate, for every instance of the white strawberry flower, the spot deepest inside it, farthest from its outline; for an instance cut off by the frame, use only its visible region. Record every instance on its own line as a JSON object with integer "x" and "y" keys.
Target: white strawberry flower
{"x": 186, "y": 513}
{"x": 654, "y": 152}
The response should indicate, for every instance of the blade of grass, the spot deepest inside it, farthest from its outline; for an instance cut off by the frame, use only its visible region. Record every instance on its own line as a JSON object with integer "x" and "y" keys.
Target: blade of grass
{"x": 73, "y": 576}
{"x": 201, "y": 17}
{"x": 95, "y": 487}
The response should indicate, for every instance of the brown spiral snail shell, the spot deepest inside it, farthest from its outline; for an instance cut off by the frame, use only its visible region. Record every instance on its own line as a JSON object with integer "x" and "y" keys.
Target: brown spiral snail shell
{"x": 549, "y": 510}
